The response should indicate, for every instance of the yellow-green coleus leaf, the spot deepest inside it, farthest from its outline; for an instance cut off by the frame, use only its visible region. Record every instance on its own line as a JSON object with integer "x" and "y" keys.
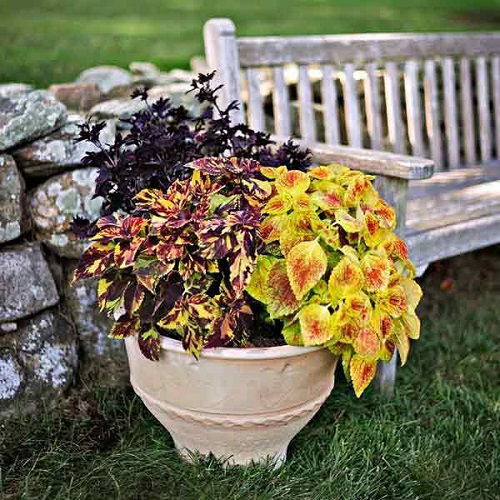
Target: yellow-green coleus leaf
{"x": 281, "y": 300}
{"x": 305, "y": 264}
{"x": 315, "y": 325}
{"x": 367, "y": 344}
{"x": 346, "y": 277}
{"x": 293, "y": 182}
{"x": 257, "y": 287}
{"x": 295, "y": 228}
{"x": 292, "y": 335}
{"x": 362, "y": 373}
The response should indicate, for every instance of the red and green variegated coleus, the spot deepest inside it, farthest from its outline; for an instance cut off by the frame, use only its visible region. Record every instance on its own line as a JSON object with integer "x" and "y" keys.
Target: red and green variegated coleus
{"x": 317, "y": 249}
{"x": 181, "y": 262}
{"x": 333, "y": 270}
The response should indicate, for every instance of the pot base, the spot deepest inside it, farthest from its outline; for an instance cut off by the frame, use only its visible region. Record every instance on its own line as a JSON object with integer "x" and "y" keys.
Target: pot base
{"x": 241, "y": 406}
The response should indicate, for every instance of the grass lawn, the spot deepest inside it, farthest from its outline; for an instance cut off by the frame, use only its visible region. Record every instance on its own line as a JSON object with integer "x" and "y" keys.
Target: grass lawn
{"x": 47, "y": 41}
{"x": 438, "y": 438}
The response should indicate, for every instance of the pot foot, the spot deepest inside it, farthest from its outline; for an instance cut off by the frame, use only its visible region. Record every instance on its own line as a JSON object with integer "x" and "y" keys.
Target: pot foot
{"x": 276, "y": 460}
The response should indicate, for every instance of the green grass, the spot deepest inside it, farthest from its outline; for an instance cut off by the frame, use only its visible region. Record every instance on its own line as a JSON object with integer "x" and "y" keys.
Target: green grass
{"x": 47, "y": 41}
{"x": 438, "y": 438}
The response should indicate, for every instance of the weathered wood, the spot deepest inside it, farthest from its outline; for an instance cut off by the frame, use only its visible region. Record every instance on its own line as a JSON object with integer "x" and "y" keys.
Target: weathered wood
{"x": 281, "y": 103}
{"x": 385, "y": 378}
{"x": 352, "y": 114}
{"x": 393, "y": 104}
{"x": 466, "y": 102}
{"x": 442, "y": 182}
{"x": 306, "y": 112}
{"x": 394, "y": 191}
{"x": 483, "y": 104}
{"x": 413, "y": 108}
{"x": 455, "y": 239}
{"x": 372, "y": 104}
{"x": 432, "y": 122}
{"x": 495, "y": 83}
{"x": 340, "y": 49}
{"x": 222, "y": 56}
{"x": 329, "y": 101}
{"x": 375, "y": 162}
{"x": 454, "y": 206}
{"x": 255, "y": 108}
{"x": 450, "y": 113}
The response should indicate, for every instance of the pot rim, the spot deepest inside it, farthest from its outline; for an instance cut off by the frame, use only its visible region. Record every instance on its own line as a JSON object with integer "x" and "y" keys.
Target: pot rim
{"x": 242, "y": 354}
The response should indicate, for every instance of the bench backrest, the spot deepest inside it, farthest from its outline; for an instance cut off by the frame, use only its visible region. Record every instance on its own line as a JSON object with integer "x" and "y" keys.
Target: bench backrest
{"x": 432, "y": 95}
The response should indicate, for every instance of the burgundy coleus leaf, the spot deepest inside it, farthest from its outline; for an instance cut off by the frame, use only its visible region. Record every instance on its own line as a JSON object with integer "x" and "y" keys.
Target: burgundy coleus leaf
{"x": 234, "y": 322}
{"x": 167, "y": 294}
{"x": 192, "y": 339}
{"x": 149, "y": 344}
{"x": 148, "y": 271}
{"x": 133, "y": 297}
{"x": 154, "y": 201}
{"x": 109, "y": 228}
{"x": 209, "y": 165}
{"x": 95, "y": 261}
{"x": 124, "y": 328}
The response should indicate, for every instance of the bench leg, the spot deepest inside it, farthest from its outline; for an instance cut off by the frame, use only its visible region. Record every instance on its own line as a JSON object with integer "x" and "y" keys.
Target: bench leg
{"x": 385, "y": 379}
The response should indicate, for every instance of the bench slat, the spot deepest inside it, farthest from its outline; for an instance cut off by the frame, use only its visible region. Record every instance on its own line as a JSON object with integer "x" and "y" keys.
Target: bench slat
{"x": 454, "y": 206}
{"x": 255, "y": 106}
{"x": 372, "y": 104}
{"x": 450, "y": 113}
{"x": 431, "y": 103}
{"x": 484, "y": 109}
{"x": 413, "y": 108}
{"x": 281, "y": 103}
{"x": 306, "y": 111}
{"x": 393, "y": 103}
{"x": 442, "y": 182}
{"x": 329, "y": 101}
{"x": 495, "y": 74}
{"x": 466, "y": 102}
{"x": 340, "y": 49}
{"x": 456, "y": 239}
{"x": 352, "y": 114}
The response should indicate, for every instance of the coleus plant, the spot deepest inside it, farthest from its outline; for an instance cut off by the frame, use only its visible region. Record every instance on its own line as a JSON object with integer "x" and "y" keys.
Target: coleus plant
{"x": 333, "y": 271}
{"x": 162, "y": 139}
{"x": 311, "y": 253}
{"x": 180, "y": 263}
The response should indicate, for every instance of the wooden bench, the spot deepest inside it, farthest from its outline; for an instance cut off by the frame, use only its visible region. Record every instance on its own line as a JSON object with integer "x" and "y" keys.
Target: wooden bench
{"x": 383, "y": 103}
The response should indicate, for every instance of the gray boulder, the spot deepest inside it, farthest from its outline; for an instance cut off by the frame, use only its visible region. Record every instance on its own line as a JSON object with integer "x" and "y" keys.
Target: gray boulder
{"x": 12, "y": 89}
{"x": 47, "y": 348}
{"x": 55, "y": 203}
{"x": 124, "y": 108}
{"x": 78, "y": 96}
{"x": 111, "y": 80}
{"x": 58, "y": 151}
{"x": 11, "y": 378}
{"x": 101, "y": 356}
{"x": 26, "y": 284}
{"x": 27, "y": 116}
{"x": 12, "y": 219}
{"x": 116, "y": 109}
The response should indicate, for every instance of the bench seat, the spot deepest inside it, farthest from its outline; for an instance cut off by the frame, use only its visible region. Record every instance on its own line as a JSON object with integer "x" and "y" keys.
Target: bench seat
{"x": 453, "y": 213}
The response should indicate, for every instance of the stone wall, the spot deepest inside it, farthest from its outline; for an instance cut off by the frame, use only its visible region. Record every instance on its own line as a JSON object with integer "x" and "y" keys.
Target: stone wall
{"x": 51, "y": 334}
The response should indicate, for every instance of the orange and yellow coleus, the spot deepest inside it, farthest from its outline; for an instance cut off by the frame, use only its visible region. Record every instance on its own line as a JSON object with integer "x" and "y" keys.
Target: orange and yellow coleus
{"x": 333, "y": 271}
{"x": 315, "y": 250}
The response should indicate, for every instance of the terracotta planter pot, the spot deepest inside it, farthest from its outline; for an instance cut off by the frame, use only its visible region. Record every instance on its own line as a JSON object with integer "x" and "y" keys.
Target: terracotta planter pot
{"x": 241, "y": 405}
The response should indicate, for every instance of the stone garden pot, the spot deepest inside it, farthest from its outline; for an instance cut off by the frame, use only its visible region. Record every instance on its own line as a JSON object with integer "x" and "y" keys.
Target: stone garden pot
{"x": 241, "y": 405}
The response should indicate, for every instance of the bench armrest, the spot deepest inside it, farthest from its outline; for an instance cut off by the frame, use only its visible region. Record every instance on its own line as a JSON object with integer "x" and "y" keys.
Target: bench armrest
{"x": 370, "y": 161}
